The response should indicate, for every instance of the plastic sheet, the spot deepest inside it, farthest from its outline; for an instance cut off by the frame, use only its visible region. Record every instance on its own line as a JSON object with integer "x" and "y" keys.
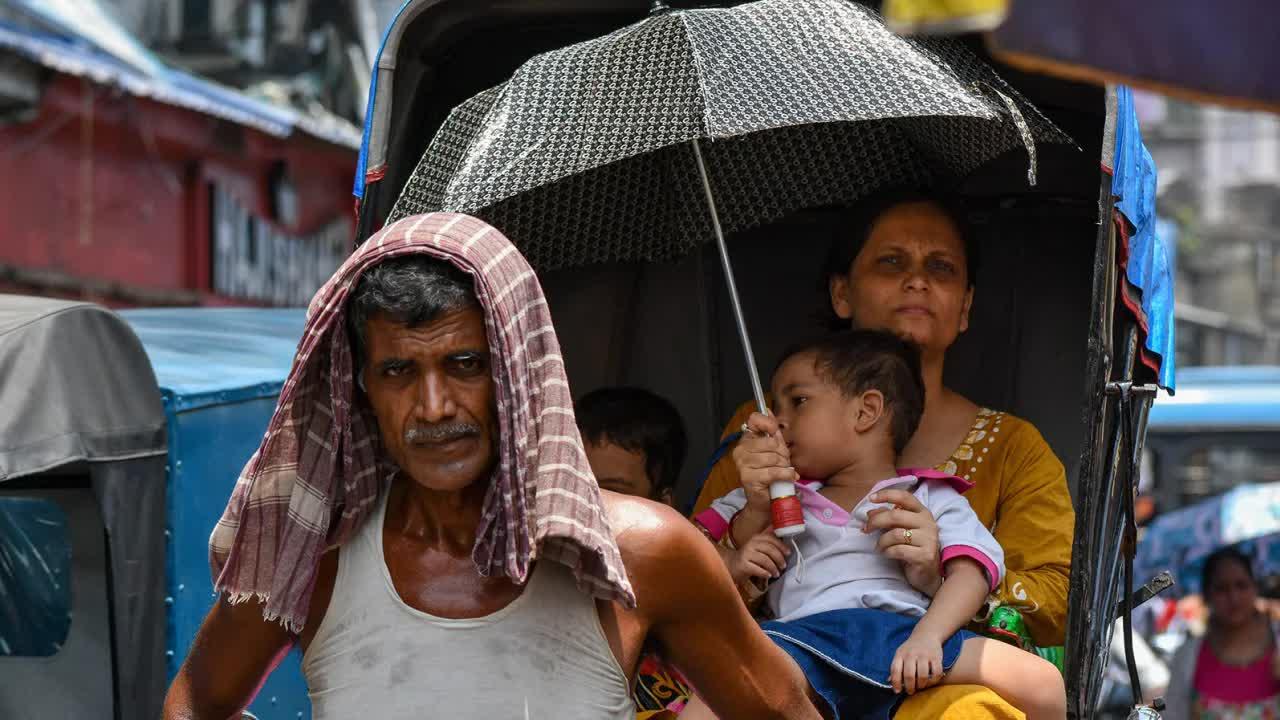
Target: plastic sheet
{"x": 1151, "y": 260}
{"x": 35, "y": 577}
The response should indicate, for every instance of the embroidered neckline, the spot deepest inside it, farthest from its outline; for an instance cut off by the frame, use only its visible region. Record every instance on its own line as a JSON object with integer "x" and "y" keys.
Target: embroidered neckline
{"x": 967, "y": 459}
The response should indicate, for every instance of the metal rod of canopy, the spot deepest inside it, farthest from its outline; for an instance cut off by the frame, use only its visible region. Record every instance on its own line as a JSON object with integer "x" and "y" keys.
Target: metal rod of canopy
{"x": 738, "y": 317}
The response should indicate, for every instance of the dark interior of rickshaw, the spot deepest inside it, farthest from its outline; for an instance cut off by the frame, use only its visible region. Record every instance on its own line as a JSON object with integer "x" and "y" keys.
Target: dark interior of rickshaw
{"x": 1027, "y": 348}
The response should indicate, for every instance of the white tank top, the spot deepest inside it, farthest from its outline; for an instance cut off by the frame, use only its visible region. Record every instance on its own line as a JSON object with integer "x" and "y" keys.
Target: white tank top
{"x": 544, "y": 655}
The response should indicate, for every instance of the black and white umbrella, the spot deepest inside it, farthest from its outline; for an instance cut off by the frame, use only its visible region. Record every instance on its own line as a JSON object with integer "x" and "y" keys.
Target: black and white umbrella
{"x": 650, "y": 141}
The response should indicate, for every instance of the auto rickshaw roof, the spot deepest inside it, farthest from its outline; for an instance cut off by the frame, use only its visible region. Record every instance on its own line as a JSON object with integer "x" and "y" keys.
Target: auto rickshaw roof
{"x": 210, "y": 356}
{"x": 76, "y": 387}
{"x": 1221, "y": 398}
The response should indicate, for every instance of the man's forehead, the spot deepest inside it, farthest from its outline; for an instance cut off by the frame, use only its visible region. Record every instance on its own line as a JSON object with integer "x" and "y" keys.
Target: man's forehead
{"x": 464, "y": 326}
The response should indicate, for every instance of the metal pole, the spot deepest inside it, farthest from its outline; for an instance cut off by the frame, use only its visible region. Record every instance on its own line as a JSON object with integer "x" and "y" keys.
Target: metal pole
{"x": 728, "y": 278}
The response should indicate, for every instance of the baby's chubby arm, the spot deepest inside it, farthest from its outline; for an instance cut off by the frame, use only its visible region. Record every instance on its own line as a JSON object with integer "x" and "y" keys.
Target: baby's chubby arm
{"x": 964, "y": 590}
{"x": 918, "y": 662}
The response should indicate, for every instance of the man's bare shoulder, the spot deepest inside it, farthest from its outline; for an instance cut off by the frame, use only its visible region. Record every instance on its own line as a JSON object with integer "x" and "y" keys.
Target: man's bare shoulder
{"x": 638, "y": 523}
{"x": 654, "y": 539}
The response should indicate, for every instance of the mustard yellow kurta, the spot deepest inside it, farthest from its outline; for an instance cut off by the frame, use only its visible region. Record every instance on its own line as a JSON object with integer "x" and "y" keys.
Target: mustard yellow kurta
{"x": 1020, "y": 493}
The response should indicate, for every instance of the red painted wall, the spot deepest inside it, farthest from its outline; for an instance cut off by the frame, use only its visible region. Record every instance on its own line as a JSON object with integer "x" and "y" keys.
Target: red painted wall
{"x": 109, "y": 187}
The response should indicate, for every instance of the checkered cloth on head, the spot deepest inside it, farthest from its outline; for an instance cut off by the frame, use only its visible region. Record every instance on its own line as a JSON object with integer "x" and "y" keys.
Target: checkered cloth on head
{"x": 319, "y": 469}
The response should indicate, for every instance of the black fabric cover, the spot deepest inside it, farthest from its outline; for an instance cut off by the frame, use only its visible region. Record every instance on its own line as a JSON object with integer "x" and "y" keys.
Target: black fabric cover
{"x": 131, "y": 494}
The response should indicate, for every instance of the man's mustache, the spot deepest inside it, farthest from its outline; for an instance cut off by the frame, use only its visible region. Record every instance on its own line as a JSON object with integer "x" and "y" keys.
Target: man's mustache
{"x": 442, "y": 433}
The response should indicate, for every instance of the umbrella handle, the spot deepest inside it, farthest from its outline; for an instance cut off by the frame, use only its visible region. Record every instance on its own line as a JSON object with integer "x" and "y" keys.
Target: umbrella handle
{"x": 728, "y": 278}
{"x": 786, "y": 514}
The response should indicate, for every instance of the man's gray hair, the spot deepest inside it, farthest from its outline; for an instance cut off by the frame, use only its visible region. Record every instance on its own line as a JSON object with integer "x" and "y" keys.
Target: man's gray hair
{"x": 411, "y": 290}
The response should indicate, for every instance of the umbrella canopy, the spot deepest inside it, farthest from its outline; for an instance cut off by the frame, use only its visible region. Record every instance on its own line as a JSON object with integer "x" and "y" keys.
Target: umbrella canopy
{"x": 585, "y": 155}
{"x": 1181, "y": 540}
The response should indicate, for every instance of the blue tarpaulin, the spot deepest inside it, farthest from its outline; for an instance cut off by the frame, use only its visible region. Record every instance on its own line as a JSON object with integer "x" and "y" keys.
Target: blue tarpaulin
{"x": 1150, "y": 266}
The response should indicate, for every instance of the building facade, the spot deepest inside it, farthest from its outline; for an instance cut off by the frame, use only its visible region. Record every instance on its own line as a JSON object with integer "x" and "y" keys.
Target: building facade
{"x": 1220, "y": 188}
{"x": 129, "y": 181}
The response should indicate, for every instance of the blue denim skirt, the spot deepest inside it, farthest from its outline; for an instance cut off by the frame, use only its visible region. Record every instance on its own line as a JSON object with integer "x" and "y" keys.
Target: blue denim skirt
{"x": 846, "y": 656}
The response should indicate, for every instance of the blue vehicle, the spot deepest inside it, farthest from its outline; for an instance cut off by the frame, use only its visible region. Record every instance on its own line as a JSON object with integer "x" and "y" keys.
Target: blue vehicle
{"x": 1222, "y": 429}
{"x": 123, "y": 437}
{"x": 1212, "y": 468}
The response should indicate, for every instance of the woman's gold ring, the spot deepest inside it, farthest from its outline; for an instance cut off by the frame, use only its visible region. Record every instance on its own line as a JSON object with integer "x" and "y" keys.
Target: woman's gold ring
{"x": 906, "y": 535}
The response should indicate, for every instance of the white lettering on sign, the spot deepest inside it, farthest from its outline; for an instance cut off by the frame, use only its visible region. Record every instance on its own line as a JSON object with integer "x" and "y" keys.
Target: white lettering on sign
{"x": 253, "y": 260}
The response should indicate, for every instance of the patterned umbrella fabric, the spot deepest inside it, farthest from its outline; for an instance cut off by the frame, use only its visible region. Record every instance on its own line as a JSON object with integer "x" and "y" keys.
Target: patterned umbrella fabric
{"x": 586, "y": 154}
{"x": 1247, "y": 516}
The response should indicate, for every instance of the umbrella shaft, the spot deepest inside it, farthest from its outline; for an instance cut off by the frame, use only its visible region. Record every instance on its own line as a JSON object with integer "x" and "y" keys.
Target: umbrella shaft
{"x": 728, "y": 278}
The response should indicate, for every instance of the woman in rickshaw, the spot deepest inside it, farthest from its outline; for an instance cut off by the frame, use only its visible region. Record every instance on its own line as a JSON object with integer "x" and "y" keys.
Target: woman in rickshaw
{"x": 906, "y": 262}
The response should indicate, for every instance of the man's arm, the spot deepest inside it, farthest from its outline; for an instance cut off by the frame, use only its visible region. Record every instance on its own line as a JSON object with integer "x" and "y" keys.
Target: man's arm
{"x": 693, "y": 609}
{"x": 232, "y": 655}
{"x": 236, "y": 649}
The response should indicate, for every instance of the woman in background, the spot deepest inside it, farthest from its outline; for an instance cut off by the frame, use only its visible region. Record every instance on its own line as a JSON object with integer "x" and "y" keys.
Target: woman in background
{"x": 1231, "y": 671}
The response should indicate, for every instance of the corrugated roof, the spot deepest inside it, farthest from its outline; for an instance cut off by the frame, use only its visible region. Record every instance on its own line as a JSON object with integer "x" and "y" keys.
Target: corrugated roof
{"x": 79, "y": 57}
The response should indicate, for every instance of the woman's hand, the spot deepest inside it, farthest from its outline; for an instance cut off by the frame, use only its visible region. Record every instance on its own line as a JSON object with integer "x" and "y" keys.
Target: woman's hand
{"x": 762, "y": 458}
{"x": 910, "y": 536}
{"x": 763, "y": 557}
{"x": 917, "y": 664}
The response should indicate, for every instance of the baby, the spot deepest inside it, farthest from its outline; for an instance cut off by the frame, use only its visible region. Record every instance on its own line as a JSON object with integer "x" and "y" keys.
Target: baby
{"x": 842, "y": 607}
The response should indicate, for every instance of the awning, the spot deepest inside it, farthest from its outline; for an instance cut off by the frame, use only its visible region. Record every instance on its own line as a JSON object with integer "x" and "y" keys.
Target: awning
{"x": 141, "y": 74}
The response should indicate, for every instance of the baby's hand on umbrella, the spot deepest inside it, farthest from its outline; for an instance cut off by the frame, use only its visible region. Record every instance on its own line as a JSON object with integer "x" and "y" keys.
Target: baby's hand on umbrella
{"x": 909, "y": 534}
{"x": 762, "y": 457}
{"x": 917, "y": 664}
